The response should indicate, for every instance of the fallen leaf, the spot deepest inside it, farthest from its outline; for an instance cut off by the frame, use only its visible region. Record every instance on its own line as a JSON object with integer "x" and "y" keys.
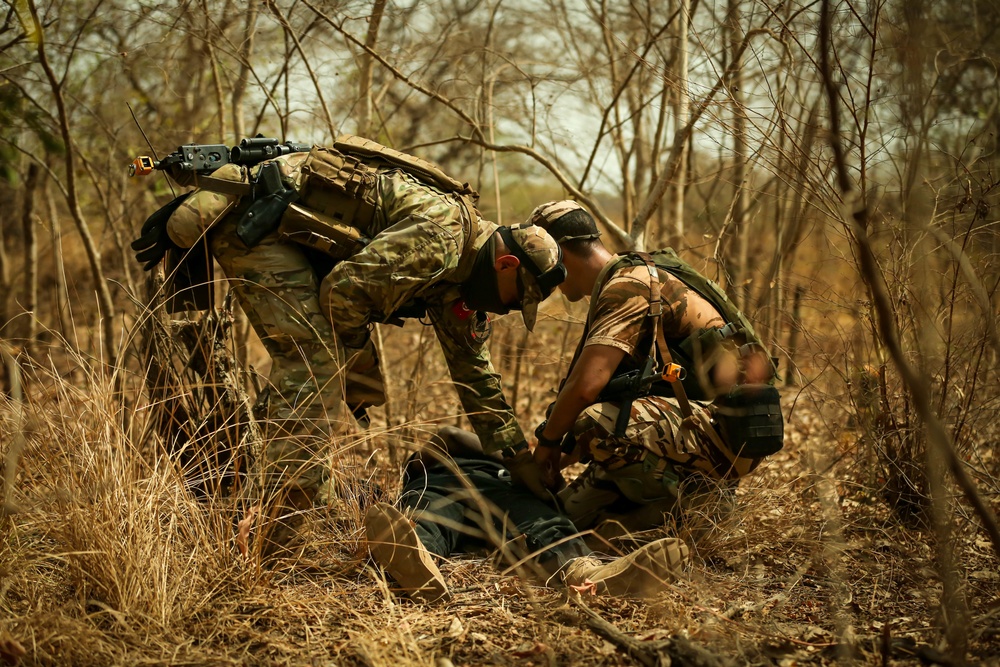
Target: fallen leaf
{"x": 528, "y": 650}
{"x": 243, "y": 532}
{"x": 456, "y": 628}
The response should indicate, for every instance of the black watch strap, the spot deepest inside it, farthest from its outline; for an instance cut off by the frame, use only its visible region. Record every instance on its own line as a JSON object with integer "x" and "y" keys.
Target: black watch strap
{"x": 511, "y": 451}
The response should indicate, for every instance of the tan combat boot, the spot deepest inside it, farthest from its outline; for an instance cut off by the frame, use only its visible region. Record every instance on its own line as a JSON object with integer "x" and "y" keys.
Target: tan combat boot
{"x": 642, "y": 573}
{"x": 395, "y": 545}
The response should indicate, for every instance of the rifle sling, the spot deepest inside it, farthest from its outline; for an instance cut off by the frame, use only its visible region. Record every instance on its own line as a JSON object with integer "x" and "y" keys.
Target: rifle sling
{"x": 223, "y": 187}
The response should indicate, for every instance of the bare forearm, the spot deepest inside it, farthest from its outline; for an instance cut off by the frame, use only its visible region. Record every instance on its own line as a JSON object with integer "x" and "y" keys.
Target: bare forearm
{"x": 589, "y": 376}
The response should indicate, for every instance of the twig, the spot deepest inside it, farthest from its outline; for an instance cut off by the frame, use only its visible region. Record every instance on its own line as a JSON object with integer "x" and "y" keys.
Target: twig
{"x": 673, "y": 651}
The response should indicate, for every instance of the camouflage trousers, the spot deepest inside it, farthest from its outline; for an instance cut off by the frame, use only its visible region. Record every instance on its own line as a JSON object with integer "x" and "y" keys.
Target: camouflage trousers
{"x": 278, "y": 290}
{"x": 664, "y": 467}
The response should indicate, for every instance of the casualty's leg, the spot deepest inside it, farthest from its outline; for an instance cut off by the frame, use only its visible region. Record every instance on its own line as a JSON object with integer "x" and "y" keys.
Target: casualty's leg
{"x": 642, "y": 573}
{"x": 395, "y": 544}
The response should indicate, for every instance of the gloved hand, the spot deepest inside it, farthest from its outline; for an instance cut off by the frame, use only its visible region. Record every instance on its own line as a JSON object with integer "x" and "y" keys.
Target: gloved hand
{"x": 527, "y": 473}
{"x": 154, "y": 242}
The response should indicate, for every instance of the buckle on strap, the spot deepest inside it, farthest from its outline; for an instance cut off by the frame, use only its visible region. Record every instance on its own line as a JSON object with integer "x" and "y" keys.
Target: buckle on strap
{"x": 655, "y": 302}
{"x": 728, "y": 331}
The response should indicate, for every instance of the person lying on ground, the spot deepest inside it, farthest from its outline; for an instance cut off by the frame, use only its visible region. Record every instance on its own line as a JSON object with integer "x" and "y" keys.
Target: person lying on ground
{"x": 456, "y": 498}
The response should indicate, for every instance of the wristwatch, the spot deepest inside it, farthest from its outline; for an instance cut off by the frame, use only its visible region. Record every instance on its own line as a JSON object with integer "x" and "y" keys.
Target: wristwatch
{"x": 546, "y": 442}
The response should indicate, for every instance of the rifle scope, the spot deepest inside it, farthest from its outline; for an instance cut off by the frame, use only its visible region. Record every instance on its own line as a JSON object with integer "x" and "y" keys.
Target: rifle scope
{"x": 258, "y": 149}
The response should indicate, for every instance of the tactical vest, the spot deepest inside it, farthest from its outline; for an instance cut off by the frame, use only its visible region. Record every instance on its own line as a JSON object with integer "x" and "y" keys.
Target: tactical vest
{"x": 338, "y": 194}
{"x": 688, "y": 352}
{"x": 748, "y": 417}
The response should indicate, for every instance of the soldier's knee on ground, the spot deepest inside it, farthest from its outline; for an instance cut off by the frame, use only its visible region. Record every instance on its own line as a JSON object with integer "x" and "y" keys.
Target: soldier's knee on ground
{"x": 585, "y": 498}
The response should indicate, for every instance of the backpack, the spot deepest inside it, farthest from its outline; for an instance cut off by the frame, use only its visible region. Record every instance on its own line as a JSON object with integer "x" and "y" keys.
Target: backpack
{"x": 748, "y": 417}
{"x": 337, "y": 194}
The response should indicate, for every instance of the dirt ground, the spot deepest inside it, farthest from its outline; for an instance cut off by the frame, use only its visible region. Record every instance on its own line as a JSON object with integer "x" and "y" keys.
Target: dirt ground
{"x": 107, "y": 560}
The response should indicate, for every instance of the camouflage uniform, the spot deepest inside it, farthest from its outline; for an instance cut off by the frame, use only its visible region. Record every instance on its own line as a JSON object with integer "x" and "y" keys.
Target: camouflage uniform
{"x": 422, "y": 249}
{"x": 663, "y": 462}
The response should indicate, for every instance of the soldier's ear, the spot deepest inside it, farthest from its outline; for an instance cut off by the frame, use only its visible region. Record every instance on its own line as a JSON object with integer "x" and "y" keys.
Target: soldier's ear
{"x": 506, "y": 262}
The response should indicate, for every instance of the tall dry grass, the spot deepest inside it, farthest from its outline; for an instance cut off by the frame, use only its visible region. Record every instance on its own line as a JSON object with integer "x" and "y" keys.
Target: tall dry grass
{"x": 111, "y": 557}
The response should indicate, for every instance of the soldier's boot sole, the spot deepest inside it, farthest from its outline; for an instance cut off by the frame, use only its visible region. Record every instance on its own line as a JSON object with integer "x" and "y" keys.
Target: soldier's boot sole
{"x": 645, "y": 572}
{"x": 395, "y": 545}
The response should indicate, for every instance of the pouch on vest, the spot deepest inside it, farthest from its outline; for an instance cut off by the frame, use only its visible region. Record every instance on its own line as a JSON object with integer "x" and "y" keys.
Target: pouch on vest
{"x": 316, "y": 230}
{"x": 749, "y": 419}
{"x": 340, "y": 187}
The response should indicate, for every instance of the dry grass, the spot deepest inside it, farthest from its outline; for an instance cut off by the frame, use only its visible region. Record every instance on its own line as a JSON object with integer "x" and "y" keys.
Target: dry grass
{"x": 109, "y": 560}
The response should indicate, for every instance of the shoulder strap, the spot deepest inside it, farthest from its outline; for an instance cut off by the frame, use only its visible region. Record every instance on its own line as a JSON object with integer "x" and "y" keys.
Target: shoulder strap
{"x": 668, "y": 371}
{"x": 668, "y": 260}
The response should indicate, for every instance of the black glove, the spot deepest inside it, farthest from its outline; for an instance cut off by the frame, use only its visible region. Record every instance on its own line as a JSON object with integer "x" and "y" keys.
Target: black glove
{"x": 154, "y": 242}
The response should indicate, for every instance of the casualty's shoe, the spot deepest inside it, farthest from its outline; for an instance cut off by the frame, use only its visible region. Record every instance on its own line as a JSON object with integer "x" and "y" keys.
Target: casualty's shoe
{"x": 395, "y": 545}
{"x": 642, "y": 573}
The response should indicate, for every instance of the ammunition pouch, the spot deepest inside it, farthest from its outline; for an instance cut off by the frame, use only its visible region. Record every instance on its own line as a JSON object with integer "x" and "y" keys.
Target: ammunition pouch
{"x": 340, "y": 187}
{"x": 320, "y": 232}
{"x": 749, "y": 419}
{"x": 336, "y": 201}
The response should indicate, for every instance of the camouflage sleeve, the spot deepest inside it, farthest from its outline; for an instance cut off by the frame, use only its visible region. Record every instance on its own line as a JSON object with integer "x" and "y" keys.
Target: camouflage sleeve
{"x": 621, "y": 310}
{"x": 463, "y": 337}
{"x": 395, "y": 267}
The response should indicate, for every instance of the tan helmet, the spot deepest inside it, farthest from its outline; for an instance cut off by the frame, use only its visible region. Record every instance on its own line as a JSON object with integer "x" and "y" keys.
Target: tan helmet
{"x": 541, "y": 268}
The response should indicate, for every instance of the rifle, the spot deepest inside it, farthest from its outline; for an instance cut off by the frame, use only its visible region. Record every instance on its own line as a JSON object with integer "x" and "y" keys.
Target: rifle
{"x": 203, "y": 159}
{"x": 193, "y": 164}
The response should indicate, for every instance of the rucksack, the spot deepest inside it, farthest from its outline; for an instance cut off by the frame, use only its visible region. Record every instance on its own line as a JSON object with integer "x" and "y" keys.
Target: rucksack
{"x": 337, "y": 193}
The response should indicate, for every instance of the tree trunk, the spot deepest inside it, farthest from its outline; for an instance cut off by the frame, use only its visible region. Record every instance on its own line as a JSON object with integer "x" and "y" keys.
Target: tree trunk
{"x": 107, "y": 313}
{"x": 240, "y": 86}
{"x": 30, "y": 298}
{"x": 739, "y": 268}
{"x": 64, "y": 317}
{"x": 681, "y": 116}
{"x": 367, "y": 70}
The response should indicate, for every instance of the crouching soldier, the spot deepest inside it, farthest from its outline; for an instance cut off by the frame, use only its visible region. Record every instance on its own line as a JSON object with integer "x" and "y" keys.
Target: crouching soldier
{"x": 456, "y": 498}
{"x": 318, "y": 247}
{"x": 670, "y": 394}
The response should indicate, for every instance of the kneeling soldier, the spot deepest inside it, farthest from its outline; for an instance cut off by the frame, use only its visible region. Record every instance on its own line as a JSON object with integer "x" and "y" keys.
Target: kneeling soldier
{"x": 670, "y": 394}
